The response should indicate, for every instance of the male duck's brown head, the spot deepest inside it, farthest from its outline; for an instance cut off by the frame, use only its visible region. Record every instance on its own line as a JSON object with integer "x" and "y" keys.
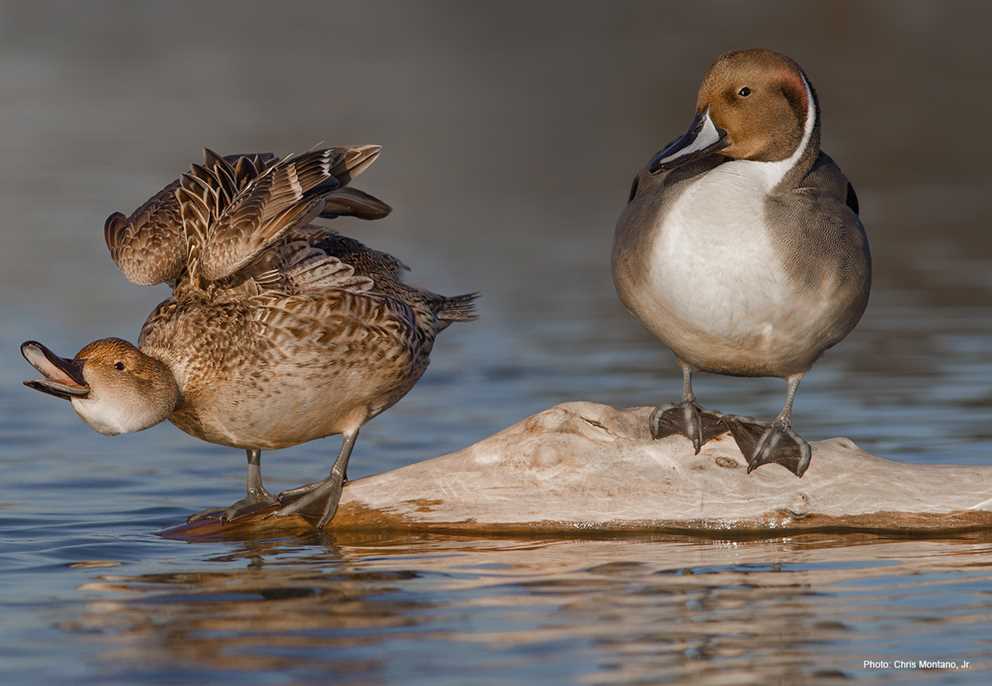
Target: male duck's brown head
{"x": 752, "y": 105}
{"x": 111, "y": 384}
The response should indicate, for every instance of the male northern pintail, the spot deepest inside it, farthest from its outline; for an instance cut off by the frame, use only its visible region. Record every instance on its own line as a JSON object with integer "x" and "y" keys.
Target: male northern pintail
{"x": 278, "y": 331}
{"x": 742, "y": 250}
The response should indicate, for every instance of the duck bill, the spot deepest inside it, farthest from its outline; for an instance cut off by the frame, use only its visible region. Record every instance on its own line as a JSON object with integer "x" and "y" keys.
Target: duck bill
{"x": 702, "y": 138}
{"x": 63, "y": 378}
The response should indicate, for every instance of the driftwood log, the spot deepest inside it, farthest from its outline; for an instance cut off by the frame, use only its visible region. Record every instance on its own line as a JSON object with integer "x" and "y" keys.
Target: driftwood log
{"x": 583, "y": 468}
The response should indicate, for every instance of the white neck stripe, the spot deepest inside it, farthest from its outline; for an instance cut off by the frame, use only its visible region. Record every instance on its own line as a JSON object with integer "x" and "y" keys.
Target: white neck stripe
{"x": 772, "y": 173}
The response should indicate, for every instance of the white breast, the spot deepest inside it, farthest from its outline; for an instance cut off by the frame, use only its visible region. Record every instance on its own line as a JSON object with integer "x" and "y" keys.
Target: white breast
{"x": 713, "y": 265}
{"x": 718, "y": 291}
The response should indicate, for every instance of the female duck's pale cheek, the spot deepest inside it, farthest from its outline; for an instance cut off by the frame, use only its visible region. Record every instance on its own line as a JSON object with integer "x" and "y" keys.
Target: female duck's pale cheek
{"x": 106, "y": 418}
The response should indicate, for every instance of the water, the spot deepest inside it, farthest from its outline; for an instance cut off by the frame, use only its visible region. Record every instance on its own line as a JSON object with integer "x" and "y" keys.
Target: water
{"x": 458, "y": 611}
{"x": 510, "y": 136}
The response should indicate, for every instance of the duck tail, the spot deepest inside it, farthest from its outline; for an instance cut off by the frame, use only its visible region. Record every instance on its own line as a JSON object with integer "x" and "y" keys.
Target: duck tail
{"x": 460, "y": 308}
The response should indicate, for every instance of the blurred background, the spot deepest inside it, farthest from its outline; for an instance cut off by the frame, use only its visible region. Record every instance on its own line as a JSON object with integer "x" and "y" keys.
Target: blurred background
{"x": 511, "y": 131}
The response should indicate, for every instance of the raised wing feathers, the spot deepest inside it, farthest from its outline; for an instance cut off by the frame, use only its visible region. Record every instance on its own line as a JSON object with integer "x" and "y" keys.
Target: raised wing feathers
{"x": 152, "y": 246}
{"x": 230, "y": 225}
{"x": 148, "y": 246}
{"x": 351, "y": 202}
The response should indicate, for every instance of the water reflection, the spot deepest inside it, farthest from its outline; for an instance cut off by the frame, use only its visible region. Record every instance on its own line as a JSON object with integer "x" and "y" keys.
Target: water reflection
{"x": 797, "y": 610}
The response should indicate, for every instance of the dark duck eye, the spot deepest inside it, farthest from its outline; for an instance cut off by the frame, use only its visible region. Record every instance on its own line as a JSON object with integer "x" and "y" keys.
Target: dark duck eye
{"x": 744, "y": 92}
{"x": 119, "y": 366}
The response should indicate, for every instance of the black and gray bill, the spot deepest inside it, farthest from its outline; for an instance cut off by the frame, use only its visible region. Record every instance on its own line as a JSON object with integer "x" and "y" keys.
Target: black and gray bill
{"x": 63, "y": 377}
{"x": 702, "y": 138}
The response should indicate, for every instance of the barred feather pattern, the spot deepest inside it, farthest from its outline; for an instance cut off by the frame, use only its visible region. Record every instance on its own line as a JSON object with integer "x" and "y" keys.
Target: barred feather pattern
{"x": 169, "y": 239}
{"x": 150, "y": 246}
{"x": 231, "y": 225}
{"x": 313, "y": 334}
{"x": 252, "y": 364}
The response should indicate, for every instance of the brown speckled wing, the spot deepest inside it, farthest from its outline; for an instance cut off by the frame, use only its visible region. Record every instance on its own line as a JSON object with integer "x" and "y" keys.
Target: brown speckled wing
{"x": 229, "y": 227}
{"x": 362, "y": 325}
{"x": 377, "y": 265}
{"x": 296, "y": 265}
{"x": 312, "y": 258}
{"x": 149, "y": 247}
{"x": 377, "y": 273}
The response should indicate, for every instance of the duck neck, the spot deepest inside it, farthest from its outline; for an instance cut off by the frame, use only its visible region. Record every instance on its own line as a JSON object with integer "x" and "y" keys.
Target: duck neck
{"x": 781, "y": 175}
{"x": 169, "y": 371}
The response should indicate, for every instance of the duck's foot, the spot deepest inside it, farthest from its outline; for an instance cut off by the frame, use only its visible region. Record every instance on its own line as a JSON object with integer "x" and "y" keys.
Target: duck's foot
{"x": 294, "y": 493}
{"x": 316, "y": 502}
{"x": 687, "y": 419}
{"x": 249, "y": 504}
{"x": 764, "y": 444}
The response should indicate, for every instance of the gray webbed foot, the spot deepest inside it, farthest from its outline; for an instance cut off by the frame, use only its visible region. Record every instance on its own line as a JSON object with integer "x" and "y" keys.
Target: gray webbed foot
{"x": 776, "y": 443}
{"x": 247, "y": 505}
{"x": 317, "y": 501}
{"x": 687, "y": 419}
{"x": 291, "y": 494}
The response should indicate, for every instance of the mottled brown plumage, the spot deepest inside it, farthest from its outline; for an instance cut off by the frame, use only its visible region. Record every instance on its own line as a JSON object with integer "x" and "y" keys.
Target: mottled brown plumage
{"x": 349, "y": 342}
{"x": 277, "y": 332}
{"x": 150, "y": 246}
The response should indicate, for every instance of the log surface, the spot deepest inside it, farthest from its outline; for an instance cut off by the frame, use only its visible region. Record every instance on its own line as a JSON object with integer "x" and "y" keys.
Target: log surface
{"x": 582, "y": 468}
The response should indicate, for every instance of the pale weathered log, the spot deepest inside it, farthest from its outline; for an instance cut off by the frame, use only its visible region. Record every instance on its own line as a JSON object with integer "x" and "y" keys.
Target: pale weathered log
{"x": 583, "y": 468}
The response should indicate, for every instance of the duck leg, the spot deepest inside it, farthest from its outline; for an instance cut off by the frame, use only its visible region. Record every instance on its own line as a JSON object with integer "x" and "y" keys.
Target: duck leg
{"x": 256, "y": 494}
{"x": 687, "y": 418}
{"x": 323, "y": 496}
{"x": 776, "y": 442}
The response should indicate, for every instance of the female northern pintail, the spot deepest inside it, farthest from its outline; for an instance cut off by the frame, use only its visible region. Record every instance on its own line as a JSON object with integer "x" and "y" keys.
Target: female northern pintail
{"x": 278, "y": 331}
{"x": 742, "y": 250}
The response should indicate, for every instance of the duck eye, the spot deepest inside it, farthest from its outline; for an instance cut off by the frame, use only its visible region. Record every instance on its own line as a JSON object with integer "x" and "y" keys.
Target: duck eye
{"x": 119, "y": 366}
{"x": 744, "y": 92}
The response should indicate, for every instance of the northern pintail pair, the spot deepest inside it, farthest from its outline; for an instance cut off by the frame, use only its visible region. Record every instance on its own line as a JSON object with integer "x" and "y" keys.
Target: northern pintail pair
{"x": 277, "y": 332}
{"x": 742, "y": 250}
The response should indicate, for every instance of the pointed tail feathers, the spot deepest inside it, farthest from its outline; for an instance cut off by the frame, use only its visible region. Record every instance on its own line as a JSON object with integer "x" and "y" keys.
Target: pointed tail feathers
{"x": 460, "y": 308}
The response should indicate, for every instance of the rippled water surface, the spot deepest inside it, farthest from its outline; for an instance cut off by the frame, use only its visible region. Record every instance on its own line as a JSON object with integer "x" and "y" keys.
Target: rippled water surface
{"x": 510, "y": 134}
{"x": 434, "y": 610}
